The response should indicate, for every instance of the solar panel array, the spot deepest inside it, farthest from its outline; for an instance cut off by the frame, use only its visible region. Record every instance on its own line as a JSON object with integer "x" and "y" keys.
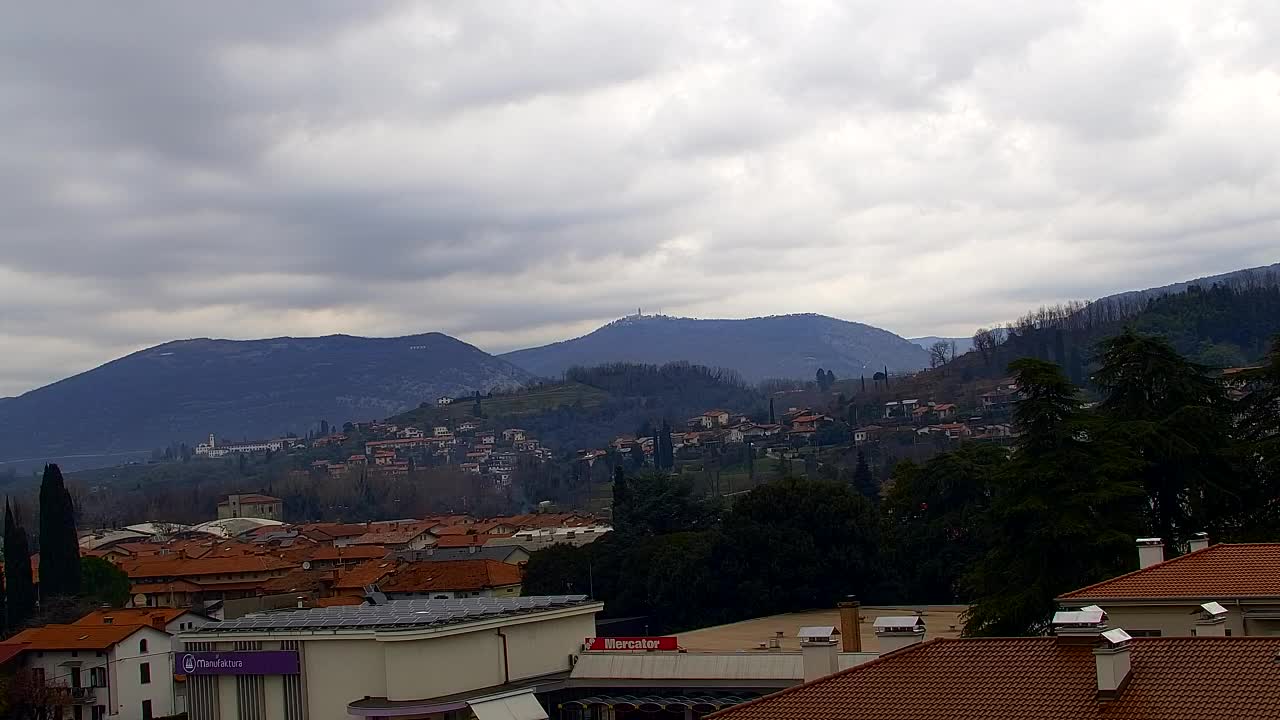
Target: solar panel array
{"x": 393, "y": 614}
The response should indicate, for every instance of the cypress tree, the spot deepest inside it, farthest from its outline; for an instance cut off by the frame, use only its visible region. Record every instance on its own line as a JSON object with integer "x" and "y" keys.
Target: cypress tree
{"x": 59, "y": 549}
{"x": 20, "y": 597}
{"x": 772, "y": 420}
{"x": 864, "y": 482}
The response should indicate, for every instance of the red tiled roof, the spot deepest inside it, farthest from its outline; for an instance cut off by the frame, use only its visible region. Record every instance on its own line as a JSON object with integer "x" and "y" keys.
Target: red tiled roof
{"x": 1209, "y": 678}
{"x": 169, "y": 566}
{"x": 338, "y": 600}
{"x": 74, "y": 637}
{"x": 1219, "y": 572}
{"x": 185, "y": 586}
{"x": 452, "y": 575}
{"x": 389, "y": 537}
{"x": 368, "y": 572}
{"x": 353, "y": 552}
{"x": 131, "y": 616}
{"x": 450, "y": 541}
{"x": 9, "y": 650}
{"x": 297, "y": 581}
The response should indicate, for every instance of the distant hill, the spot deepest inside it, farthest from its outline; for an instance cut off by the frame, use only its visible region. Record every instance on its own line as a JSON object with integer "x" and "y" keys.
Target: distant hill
{"x": 963, "y": 345}
{"x": 782, "y": 346}
{"x": 1266, "y": 275}
{"x": 183, "y": 390}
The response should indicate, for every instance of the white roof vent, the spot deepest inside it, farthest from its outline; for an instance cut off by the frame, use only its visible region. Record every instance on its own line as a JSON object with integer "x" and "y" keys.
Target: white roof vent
{"x": 912, "y": 624}
{"x": 1092, "y": 608}
{"x": 1079, "y": 618}
{"x": 1150, "y": 541}
{"x": 817, "y": 633}
{"x": 1116, "y": 638}
{"x": 1214, "y": 609}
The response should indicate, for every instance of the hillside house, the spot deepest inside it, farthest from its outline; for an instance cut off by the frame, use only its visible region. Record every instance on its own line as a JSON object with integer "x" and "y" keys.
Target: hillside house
{"x": 251, "y": 506}
{"x": 444, "y": 400}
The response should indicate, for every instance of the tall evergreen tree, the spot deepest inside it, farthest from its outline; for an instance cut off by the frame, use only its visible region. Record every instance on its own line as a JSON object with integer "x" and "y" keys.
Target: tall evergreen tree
{"x": 1064, "y": 511}
{"x": 666, "y": 448}
{"x": 20, "y": 596}
{"x": 863, "y": 481}
{"x": 773, "y": 420}
{"x": 59, "y": 549}
{"x": 1176, "y": 417}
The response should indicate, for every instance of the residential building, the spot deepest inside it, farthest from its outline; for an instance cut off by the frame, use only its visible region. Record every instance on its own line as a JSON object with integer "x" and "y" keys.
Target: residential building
{"x": 444, "y": 400}
{"x": 110, "y": 671}
{"x": 167, "y": 581}
{"x": 1167, "y": 597}
{"x": 414, "y": 537}
{"x": 443, "y": 580}
{"x": 1085, "y": 672}
{"x": 479, "y": 658}
{"x": 251, "y": 506}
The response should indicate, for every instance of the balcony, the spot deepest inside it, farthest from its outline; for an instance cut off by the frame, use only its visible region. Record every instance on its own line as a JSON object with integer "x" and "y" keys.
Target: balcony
{"x": 83, "y": 695}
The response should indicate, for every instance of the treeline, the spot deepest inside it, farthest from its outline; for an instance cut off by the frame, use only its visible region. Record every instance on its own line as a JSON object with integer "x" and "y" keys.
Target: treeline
{"x": 1224, "y": 325}
{"x": 1167, "y": 452}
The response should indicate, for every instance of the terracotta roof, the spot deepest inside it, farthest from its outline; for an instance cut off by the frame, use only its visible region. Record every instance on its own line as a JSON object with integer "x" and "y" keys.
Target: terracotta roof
{"x": 10, "y": 650}
{"x": 164, "y": 587}
{"x": 452, "y": 575}
{"x": 368, "y": 572}
{"x": 452, "y": 541}
{"x": 131, "y": 616}
{"x": 74, "y": 637}
{"x": 390, "y": 537}
{"x": 355, "y": 552}
{"x": 296, "y": 581}
{"x": 333, "y": 530}
{"x": 1219, "y": 572}
{"x": 1210, "y": 678}
{"x": 337, "y": 600}
{"x": 176, "y": 567}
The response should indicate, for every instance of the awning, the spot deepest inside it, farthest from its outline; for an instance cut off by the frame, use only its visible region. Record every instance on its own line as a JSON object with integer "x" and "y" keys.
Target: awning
{"x": 512, "y": 707}
{"x": 655, "y": 703}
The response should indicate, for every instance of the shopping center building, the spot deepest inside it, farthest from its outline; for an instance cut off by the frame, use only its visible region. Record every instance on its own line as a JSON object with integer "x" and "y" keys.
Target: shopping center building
{"x": 483, "y": 658}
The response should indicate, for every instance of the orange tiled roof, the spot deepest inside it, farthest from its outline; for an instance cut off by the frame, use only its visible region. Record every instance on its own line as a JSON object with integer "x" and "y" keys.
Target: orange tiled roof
{"x": 74, "y": 637}
{"x": 1210, "y": 678}
{"x": 389, "y": 537}
{"x": 449, "y": 541}
{"x": 1219, "y": 572}
{"x": 333, "y": 530}
{"x": 337, "y": 600}
{"x": 452, "y": 575}
{"x": 165, "y": 587}
{"x": 368, "y": 572}
{"x": 351, "y": 552}
{"x": 297, "y": 581}
{"x": 130, "y": 616}
{"x": 169, "y": 566}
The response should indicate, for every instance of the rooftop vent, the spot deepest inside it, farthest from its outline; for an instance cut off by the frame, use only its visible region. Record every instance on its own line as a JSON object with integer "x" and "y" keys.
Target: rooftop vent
{"x": 1212, "y": 622}
{"x": 1092, "y": 617}
{"x": 895, "y": 633}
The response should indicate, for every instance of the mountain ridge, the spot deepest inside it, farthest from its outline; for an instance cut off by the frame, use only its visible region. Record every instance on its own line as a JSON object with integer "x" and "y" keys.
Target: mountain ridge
{"x": 182, "y": 390}
{"x": 774, "y": 346}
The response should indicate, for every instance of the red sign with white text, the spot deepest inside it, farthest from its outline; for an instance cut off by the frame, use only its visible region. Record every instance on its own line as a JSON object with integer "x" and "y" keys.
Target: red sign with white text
{"x": 633, "y": 643}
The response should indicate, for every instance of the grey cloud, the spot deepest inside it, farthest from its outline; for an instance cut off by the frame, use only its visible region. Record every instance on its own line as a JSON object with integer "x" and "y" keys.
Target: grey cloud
{"x": 513, "y": 172}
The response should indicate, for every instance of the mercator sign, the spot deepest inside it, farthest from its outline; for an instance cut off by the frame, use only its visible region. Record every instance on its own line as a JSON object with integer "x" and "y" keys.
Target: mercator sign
{"x": 633, "y": 643}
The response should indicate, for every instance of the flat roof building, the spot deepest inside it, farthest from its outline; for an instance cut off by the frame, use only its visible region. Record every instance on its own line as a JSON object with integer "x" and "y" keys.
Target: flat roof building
{"x": 483, "y": 658}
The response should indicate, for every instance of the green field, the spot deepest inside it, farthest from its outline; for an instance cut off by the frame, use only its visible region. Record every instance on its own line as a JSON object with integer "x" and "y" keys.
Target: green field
{"x": 526, "y": 402}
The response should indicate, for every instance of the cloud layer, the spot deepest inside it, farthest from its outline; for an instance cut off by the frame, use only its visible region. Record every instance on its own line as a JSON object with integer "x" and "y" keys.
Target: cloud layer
{"x": 518, "y": 172}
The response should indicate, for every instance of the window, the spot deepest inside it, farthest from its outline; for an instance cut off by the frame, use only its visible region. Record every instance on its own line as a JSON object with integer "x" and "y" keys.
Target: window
{"x": 144, "y": 673}
{"x": 38, "y": 674}
{"x": 146, "y": 710}
{"x": 99, "y": 712}
{"x": 98, "y": 677}
{"x": 77, "y": 712}
{"x": 142, "y": 645}
{"x": 1144, "y": 633}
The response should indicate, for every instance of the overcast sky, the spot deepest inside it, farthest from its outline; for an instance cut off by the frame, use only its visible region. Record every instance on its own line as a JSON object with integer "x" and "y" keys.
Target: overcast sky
{"x": 514, "y": 173}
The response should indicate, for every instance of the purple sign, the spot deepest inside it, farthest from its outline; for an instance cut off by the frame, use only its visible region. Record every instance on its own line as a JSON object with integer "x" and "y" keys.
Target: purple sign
{"x": 240, "y": 662}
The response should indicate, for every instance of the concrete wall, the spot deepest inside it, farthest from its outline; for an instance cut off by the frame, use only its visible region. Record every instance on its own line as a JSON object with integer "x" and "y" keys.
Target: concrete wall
{"x": 1170, "y": 620}
{"x": 128, "y": 692}
{"x": 339, "y": 671}
{"x": 544, "y": 647}
{"x": 419, "y": 669}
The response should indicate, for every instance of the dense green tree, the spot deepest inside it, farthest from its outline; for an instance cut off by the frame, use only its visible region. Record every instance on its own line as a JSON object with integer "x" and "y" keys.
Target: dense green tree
{"x": 59, "y": 547}
{"x": 658, "y": 503}
{"x": 1064, "y": 510}
{"x": 935, "y": 518}
{"x": 664, "y": 449}
{"x": 1176, "y": 417}
{"x": 20, "y": 595}
{"x": 102, "y": 583}
{"x": 1259, "y": 445}
{"x": 863, "y": 481}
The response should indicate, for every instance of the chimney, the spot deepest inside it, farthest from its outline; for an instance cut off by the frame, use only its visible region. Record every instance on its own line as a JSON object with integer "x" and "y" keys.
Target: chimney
{"x": 895, "y": 633}
{"x": 1212, "y": 622}
{"x": 1079, "y": 627}
{"x": 302, "y": 602}
{"x": 819, "y": 651}
{"x": 157, "y": 621}
{"x": 775, "y": 642}
{"x": 1150, "y": 552}
{"x": 850, "y": 636}
{"x": 1112, "y": 660}
{"x": 1198, "y": 542}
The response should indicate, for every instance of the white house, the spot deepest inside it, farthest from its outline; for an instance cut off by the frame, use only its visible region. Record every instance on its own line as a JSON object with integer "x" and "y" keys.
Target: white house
{"x": 111, "y": 671}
